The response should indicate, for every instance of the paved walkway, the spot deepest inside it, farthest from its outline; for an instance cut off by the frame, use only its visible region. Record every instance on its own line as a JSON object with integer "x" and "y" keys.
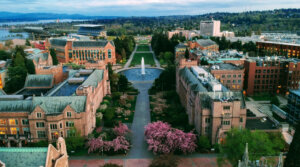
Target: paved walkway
{"x": 140, "y": 120}
{"x": 183, "y": 162}
{"x": 130, "y": 58}
{"x": 154, "y": 57}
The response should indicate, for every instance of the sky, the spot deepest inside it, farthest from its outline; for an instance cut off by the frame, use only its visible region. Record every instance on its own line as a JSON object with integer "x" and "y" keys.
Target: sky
{"x": 142, "y": 7}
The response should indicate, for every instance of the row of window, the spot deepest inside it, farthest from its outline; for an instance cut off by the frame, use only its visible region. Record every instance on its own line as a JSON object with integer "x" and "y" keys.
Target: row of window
{"x": 229, "y": 76}
{"x": 54, "y": 126}
{"x": 233, "y": 81}
{"x": 13, "y": 130}
{"x": 265, "y": 82}
{"x": 89, "y": 54}
{"x": 39, "y": 115}
{"x": 13, "y": 122}
{"x": 55, "y": 135}
{"x": 265, "y": 76}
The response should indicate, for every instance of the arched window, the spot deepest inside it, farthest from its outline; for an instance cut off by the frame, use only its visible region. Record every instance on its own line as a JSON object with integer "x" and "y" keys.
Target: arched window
{"x": 109, "y": 53}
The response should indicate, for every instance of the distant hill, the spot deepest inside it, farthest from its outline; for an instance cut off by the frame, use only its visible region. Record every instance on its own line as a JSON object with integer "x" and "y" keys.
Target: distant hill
{"x": 11, "y": 17}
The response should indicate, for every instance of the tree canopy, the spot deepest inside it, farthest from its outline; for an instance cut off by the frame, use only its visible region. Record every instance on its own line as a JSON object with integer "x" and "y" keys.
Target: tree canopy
{"x": 53, "y": 55}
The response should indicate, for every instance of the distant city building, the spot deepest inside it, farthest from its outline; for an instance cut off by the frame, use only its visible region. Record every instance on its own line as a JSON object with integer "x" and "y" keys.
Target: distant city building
{"x": 58, "y": 111}
{"x": 271, "y": 74}
{"x": 35, "y": 156}
{"x": 227, "y": 34}
{"x": 229, "y": 75}
{"x": 80, "y": 50}
{"x": 293, "y": 114}
{"x": 210, "y": 28}
{"x": 93, "y": 30}
{"x": 283, "y": 49}
{"x": 204, "y": 44}
{"x": 210, "y": 106}
{"x": 188, "y": 34}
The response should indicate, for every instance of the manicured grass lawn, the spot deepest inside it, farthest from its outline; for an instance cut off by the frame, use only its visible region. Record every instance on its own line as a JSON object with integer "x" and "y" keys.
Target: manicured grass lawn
{"x": 137, "y": 58}
{"x": 142, "y": 48}
{"x": 262, "y": 97}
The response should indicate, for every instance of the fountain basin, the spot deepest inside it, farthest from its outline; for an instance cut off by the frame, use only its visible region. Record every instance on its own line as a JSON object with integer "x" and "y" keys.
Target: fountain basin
{"x": 135, "y": 74}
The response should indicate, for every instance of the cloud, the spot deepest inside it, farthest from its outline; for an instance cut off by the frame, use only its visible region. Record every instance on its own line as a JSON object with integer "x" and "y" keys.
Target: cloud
{"x": 142, "y": 7}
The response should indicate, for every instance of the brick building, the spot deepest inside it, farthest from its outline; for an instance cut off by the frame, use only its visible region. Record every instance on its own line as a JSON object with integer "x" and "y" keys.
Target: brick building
{"x": 56, "y": 114}
{"x": 211, "y": 107}
{"x": 293, "y": 114}
{"x": 79, "y": 50}
{"x": 33, "y": 156}
{"x": 204, "y": 44}
{"x": 229, "y": 75}
{"x": 283, "y": 49}
{"x": 271, "y": 74}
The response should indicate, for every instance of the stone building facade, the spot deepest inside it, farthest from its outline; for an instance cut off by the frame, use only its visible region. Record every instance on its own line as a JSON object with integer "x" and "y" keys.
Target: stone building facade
{"x": 212, "y": 112}
{"x": 204, "y": 44}
{"x": 82, "y": 50}
{"x": 49, "y": 117}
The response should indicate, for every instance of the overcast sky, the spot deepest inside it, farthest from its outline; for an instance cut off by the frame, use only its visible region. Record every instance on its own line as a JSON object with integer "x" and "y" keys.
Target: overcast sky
{"x": 142, "y": 7}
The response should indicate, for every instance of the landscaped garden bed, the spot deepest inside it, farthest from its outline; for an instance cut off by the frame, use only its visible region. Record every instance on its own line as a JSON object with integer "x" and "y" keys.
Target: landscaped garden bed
{"x": 142, "y": 48}
{"x": 137, "y": 58}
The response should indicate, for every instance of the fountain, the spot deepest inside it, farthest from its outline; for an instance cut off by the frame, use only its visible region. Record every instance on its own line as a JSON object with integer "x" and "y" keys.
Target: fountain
{"x": 143, "y": 66}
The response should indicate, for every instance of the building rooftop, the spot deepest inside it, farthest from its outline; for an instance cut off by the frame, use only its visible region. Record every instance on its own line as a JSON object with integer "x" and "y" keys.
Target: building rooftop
{"x": 39, "y": 81}
{"x": 89, "y": 25}
{"x": 19, "y": 157}
{"x": 280, "y": 43}
{"x": 260, "y": 124}
{"x": 15, "y": 106}
{"x": 225, "y": 66}
{"x": 296, "y": 92}
{"x": 94, "y": 78}
{"x": 56, "y": 104}
{"x": 100, "y": 43}
{"x": 206, "y": 42}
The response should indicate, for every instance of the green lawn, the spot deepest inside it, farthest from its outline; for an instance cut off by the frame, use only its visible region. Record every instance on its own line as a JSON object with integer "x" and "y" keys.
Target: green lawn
{"x": 262, "y": 97}
{"x": 142, "y": 48}
{"x": 137, "y": 58}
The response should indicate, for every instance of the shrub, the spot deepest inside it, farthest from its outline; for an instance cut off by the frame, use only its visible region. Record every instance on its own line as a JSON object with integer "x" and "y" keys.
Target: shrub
{"x": 203, "y": 143}
{"x": 108, "y": 117}
{"x": 165, "y": 161}
{"x": 111, "y": 165}
{"x": 116, "y": 96}
{"x": 275, "y": 101}
{"x": 162, "y": 138}
{"x": 121, "y": 129}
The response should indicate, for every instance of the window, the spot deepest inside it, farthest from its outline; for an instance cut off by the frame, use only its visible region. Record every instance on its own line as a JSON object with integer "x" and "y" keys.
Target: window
{"x": 70, "y": 133}
{"x": 109, "y": 53}
{"x": 25, "y": 122}
{"x": 61, "y": 134}
{"x": 226, "y": 123}
{"x": 206, "y": 129}
{"x": 69, "y": 124}
{"x": 14, "y": 131}
{"x": 226, "y": 107}
{"x": 223, "y": 76}
{"x": 3, "y": 131}
{"x": 60, "y": 125}
{"x": 239, "y": 81}
{"x": 54, "y": 135}
{"x": 207, "y": 120}
{"x": 41, "y": 134}
{"x": 39, "y": 115}
{"x": 53, "y": 126}
{"x": 13, "y": 122}
{"x": 69, "y": 114}
{"x": 26, "y": 131}
{"x": 241, "y": 119}
{"x": 40, "y": 124}
{"x": 233, "y": 81}
{"x": 240, "y": 76}
{"x": 2, "y": 122}
{"x": 234, "y": 76}
{"x": 228, "y": 76}
{"x": 228, "y": 81}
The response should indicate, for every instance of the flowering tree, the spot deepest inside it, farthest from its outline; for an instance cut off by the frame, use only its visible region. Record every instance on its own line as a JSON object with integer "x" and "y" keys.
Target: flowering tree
{"x": 121, "y": 130}
{"x": 162, "y": 138}
{"x": 118, "y": 144}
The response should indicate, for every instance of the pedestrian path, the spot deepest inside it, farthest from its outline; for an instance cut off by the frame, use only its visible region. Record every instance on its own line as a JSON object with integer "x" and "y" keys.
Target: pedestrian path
{"x": 130, "y": 58}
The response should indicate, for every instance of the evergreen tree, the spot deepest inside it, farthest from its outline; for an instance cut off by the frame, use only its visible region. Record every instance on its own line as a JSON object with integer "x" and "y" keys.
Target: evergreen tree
{"x": 53, "y": 55}
{"x": 27, "y": 42}
{"x": 19, "y": 60}
{"x": 187, "y": 54}
{"x": 16, "y": 79}
{"x": 4, "y": 55}
{"x": 123, "y": 54}
{"x": 292, "y": 158}
{"x": 123, "y": 83}
{"x": 30, "y": 66}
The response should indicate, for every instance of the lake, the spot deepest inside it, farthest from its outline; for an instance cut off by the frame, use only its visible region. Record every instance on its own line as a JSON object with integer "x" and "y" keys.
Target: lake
{"x": 6, "y": 35}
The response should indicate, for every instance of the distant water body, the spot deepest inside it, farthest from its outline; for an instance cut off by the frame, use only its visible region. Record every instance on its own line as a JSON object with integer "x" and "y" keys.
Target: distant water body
{"x": 37, "y": 22}
{"x": 6, "y": 35}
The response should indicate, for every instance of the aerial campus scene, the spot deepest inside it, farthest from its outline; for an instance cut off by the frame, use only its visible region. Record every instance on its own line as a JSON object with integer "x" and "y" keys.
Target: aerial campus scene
{"x": 149, "y": 83}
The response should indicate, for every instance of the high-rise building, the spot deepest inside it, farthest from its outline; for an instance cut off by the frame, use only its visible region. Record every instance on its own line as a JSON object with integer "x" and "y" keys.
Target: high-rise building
{"x": 293, "y": 114}
{"x": 210, "y": 28}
